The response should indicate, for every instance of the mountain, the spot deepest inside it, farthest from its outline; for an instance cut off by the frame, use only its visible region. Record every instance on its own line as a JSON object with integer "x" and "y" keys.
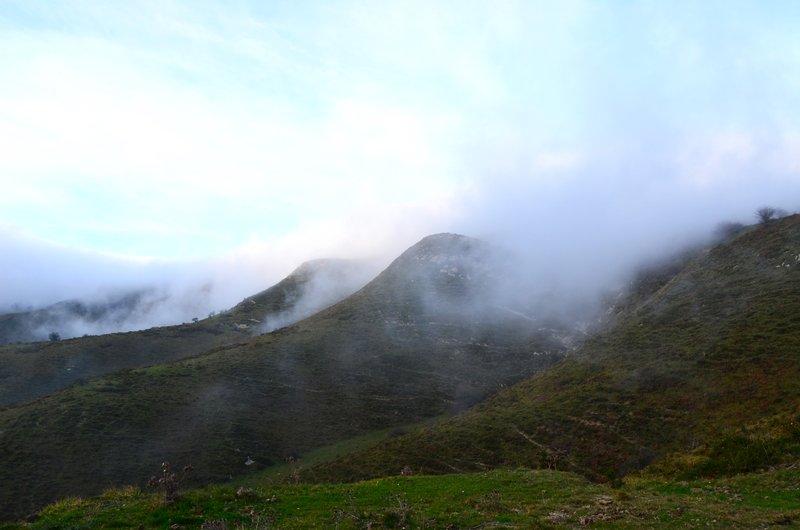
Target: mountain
{"x": 430, "y": 336}
{"x": 33, "y": 370}
{"x": 697, "y": 374}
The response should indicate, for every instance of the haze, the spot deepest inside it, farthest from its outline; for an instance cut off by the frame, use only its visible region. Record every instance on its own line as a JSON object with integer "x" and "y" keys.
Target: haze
{"x": 204, "y": 147}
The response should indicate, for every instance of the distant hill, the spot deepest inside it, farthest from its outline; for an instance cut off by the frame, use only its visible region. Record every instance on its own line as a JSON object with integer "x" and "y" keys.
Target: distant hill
{"x": 430, "y": 336}
{"x": 74, "y": 317}
{"x": 324, "y": 281}
{"x": 697, "y": 374}
{"x": 28, "y": 371}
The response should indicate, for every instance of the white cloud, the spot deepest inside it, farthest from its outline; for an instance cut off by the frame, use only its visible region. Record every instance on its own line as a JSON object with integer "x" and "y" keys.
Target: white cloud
{"x": 107, "y": 133}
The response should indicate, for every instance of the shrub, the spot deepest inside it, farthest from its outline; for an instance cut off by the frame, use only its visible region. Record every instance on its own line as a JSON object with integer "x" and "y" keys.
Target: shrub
{"x": 168, "y": 482}
{"x": 765, "y": 214}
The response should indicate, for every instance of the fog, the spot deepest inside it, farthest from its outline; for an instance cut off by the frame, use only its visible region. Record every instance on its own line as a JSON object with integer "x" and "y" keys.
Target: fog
{"x": 591, "y": 231}
{"x": 571, "y": 242}
{"x": 324, "y": 282}
{"x": 90, "y": 294}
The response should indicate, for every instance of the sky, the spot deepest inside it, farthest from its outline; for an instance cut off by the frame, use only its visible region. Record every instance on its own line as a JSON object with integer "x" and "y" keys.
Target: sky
{"x": 227, "y": 142}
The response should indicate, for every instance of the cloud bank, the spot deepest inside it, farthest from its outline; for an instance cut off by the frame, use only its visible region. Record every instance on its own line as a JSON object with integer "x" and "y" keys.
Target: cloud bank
{"x": 195, "y": 144}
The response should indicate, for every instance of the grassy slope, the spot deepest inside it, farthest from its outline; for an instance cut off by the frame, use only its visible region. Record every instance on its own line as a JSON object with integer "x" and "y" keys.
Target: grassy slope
{"x": 398, "y": 351}
{"x": 33, "y": 370}
{"x": 715, "y": 348}
{"x": 501, "y": 498}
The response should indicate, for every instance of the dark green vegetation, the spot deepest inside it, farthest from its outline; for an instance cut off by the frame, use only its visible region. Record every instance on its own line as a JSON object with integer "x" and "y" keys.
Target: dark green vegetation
{"x": 424, "y": 339}
{"x": 28, "y": 371}
{"x": 496, "y": 499}
{"x": 699, "y": 372}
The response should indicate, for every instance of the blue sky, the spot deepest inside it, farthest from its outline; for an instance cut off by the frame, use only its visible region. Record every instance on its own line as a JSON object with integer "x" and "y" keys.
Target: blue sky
{"x": 280, "y": 131}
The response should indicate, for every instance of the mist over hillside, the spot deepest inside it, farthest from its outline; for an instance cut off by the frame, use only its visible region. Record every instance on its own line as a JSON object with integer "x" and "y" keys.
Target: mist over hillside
{"x": 559, "y": 258}
{"x": 435, "y": 334}
{"x": 32, "y": 370}
{"x": 430, "y": 336}
{"x": 573, "y": 134}
{"x": 99, "y": 315}
{"x": 323, "y": 282}
{"x": 531, "y": 234}
{"x": 49, "y": 289}
{"x": 695, "y": 375}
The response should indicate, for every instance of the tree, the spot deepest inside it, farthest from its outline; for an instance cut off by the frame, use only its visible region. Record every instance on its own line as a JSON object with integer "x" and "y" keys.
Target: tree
{"x": 54, "y": 337}
{"x": 766, "y": 214}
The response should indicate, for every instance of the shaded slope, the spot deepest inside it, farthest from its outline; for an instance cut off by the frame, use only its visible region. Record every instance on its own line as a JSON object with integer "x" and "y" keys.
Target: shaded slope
{"x": 32, "y": 370}
{"x": 418, "y": 341}
{"x": 715, "y": 347}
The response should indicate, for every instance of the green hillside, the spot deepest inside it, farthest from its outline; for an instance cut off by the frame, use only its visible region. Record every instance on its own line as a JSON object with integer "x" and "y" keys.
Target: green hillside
{"x": 28, "y": 371}
{"x": 699, "y": 372}
{"x": 426, "y": 338}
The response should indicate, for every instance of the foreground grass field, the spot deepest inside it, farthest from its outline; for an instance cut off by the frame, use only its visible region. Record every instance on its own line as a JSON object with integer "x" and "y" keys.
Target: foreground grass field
{"x": 518, "y": 498}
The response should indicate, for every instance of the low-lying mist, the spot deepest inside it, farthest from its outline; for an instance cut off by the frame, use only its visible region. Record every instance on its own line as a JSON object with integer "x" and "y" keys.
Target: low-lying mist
{"x": 579, "y": 234}
{"x": 55, "y": 290}
{"x": 323, "y": 282}
{"x": 566, "y": 245}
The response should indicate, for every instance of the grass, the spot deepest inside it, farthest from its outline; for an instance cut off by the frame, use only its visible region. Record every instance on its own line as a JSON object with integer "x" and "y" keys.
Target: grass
{"x": 291, "y": 471}
{"x": 504, "y": 498}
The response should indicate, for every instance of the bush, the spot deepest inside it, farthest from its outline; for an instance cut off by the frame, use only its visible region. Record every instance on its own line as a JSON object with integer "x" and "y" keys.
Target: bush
{"x": 743, "y": 453}
{"x": 767, "y": 214}
{"x": 168, "y": 482}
